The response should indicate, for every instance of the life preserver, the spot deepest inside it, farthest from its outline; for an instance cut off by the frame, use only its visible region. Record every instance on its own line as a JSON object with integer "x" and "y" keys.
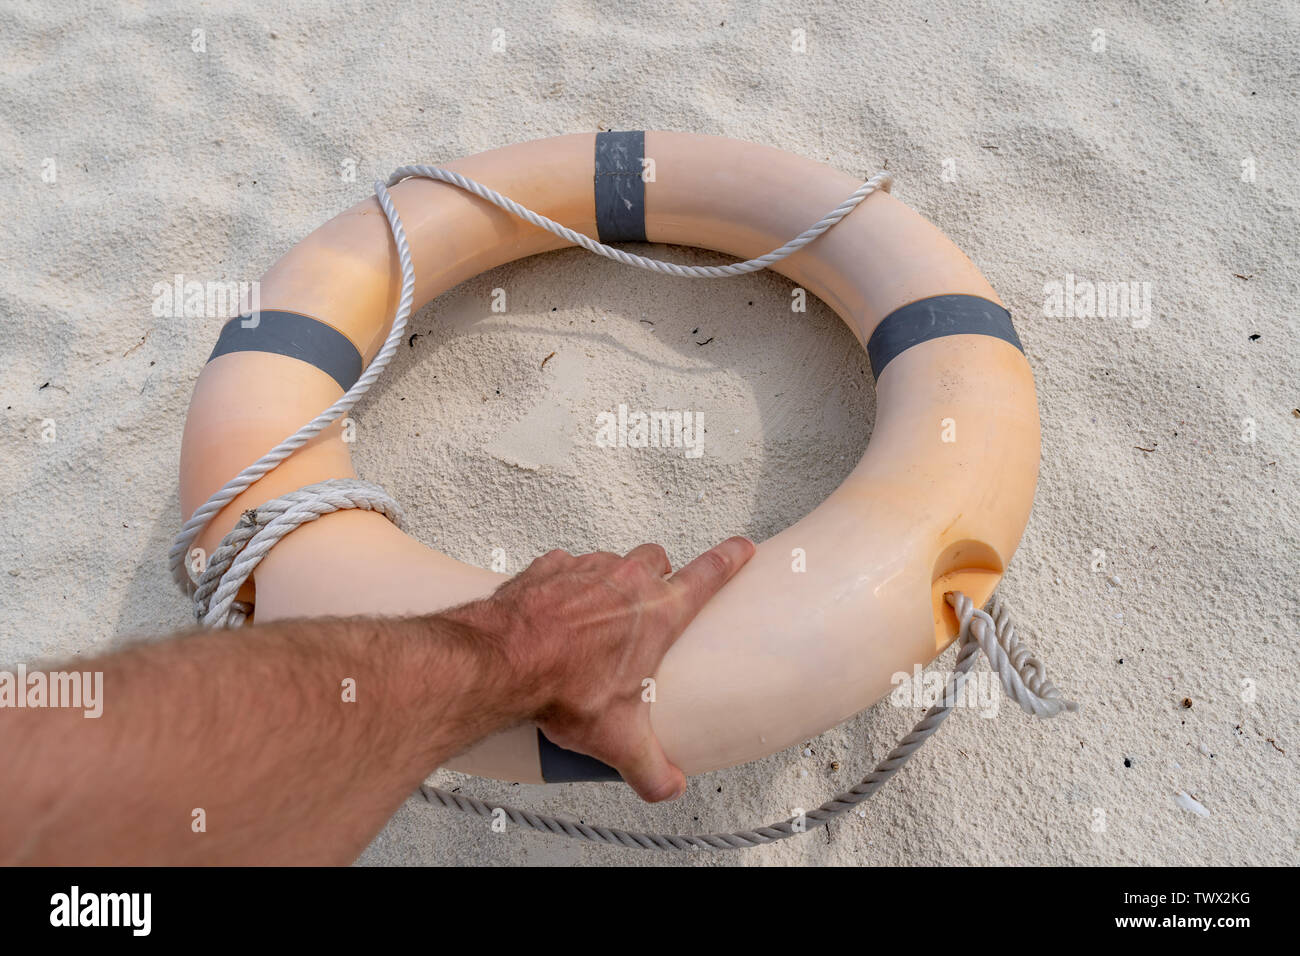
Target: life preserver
{"x": 938, "y": 502}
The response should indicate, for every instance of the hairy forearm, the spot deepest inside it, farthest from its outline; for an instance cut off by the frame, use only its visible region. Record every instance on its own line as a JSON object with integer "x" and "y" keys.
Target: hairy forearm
{"x": 292, "y": 742}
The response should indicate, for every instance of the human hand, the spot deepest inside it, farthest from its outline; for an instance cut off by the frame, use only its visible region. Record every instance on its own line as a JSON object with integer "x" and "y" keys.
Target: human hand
{"x": 582, "y": 633}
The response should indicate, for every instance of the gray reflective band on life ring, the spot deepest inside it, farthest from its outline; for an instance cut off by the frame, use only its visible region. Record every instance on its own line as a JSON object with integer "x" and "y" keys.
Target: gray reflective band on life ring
{"x": 620, "y": 190}
{"x": 294, "y": 335}
{"x": 567, "y": 766}
{"x": 933, "y": 318}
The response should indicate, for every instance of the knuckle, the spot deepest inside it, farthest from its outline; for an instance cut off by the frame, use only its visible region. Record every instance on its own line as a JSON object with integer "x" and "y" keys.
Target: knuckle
{"x": 551, "y": 559}
{"x": 716, "y": 563}
{"x": 634, "y": 569}
{"x": 632, "y": 574}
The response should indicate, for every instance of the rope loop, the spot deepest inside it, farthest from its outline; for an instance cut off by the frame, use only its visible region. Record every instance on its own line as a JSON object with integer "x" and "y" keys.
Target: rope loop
{"x": 258, "y": 530}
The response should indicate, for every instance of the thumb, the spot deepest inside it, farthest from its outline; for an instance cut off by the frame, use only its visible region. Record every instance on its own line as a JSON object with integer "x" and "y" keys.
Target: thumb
{"x": 648, "y": 771}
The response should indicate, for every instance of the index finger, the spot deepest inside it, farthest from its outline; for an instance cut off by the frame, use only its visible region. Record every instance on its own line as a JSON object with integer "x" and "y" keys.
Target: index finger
{"x": 705, "y": 576}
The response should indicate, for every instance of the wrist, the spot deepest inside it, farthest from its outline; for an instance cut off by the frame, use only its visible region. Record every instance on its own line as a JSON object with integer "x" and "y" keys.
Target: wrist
{"x": 488, "y": 634}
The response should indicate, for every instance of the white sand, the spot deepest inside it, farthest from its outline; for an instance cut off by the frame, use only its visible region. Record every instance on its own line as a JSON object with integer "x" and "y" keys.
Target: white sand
{"x": 1115, "y": 165}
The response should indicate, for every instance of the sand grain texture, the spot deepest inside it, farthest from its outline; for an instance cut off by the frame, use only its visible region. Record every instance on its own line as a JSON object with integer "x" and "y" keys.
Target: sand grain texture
{"x": 1115, "y": 165}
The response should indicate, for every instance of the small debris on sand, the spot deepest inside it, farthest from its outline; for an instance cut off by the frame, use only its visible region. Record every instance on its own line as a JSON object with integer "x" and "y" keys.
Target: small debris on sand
{"x": 1190, "y": 803}
{"x": 137, "y": 344}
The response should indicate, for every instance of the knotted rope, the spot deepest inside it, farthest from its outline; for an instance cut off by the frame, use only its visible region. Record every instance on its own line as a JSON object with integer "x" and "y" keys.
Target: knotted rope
{"x": 260, "y": 528}
{"x": 218, "y": 583}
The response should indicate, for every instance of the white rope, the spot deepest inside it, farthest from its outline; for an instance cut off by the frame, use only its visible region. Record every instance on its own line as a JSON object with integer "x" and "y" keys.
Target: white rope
{"x": 260, "y": 528}
{"x": 217, "y": 588}
{"x": 1021, "y": 674}
{"x": 179, "y": 556}
{"x": 882, "y": 180}
{"x": 190, "y": 531}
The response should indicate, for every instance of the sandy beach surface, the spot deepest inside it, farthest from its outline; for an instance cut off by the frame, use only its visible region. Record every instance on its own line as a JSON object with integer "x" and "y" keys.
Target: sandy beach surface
{"x": 1093, "y": 142}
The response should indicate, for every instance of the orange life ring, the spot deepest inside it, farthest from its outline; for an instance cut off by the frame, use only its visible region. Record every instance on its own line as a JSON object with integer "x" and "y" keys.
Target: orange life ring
{"x": 778, "y": 656}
